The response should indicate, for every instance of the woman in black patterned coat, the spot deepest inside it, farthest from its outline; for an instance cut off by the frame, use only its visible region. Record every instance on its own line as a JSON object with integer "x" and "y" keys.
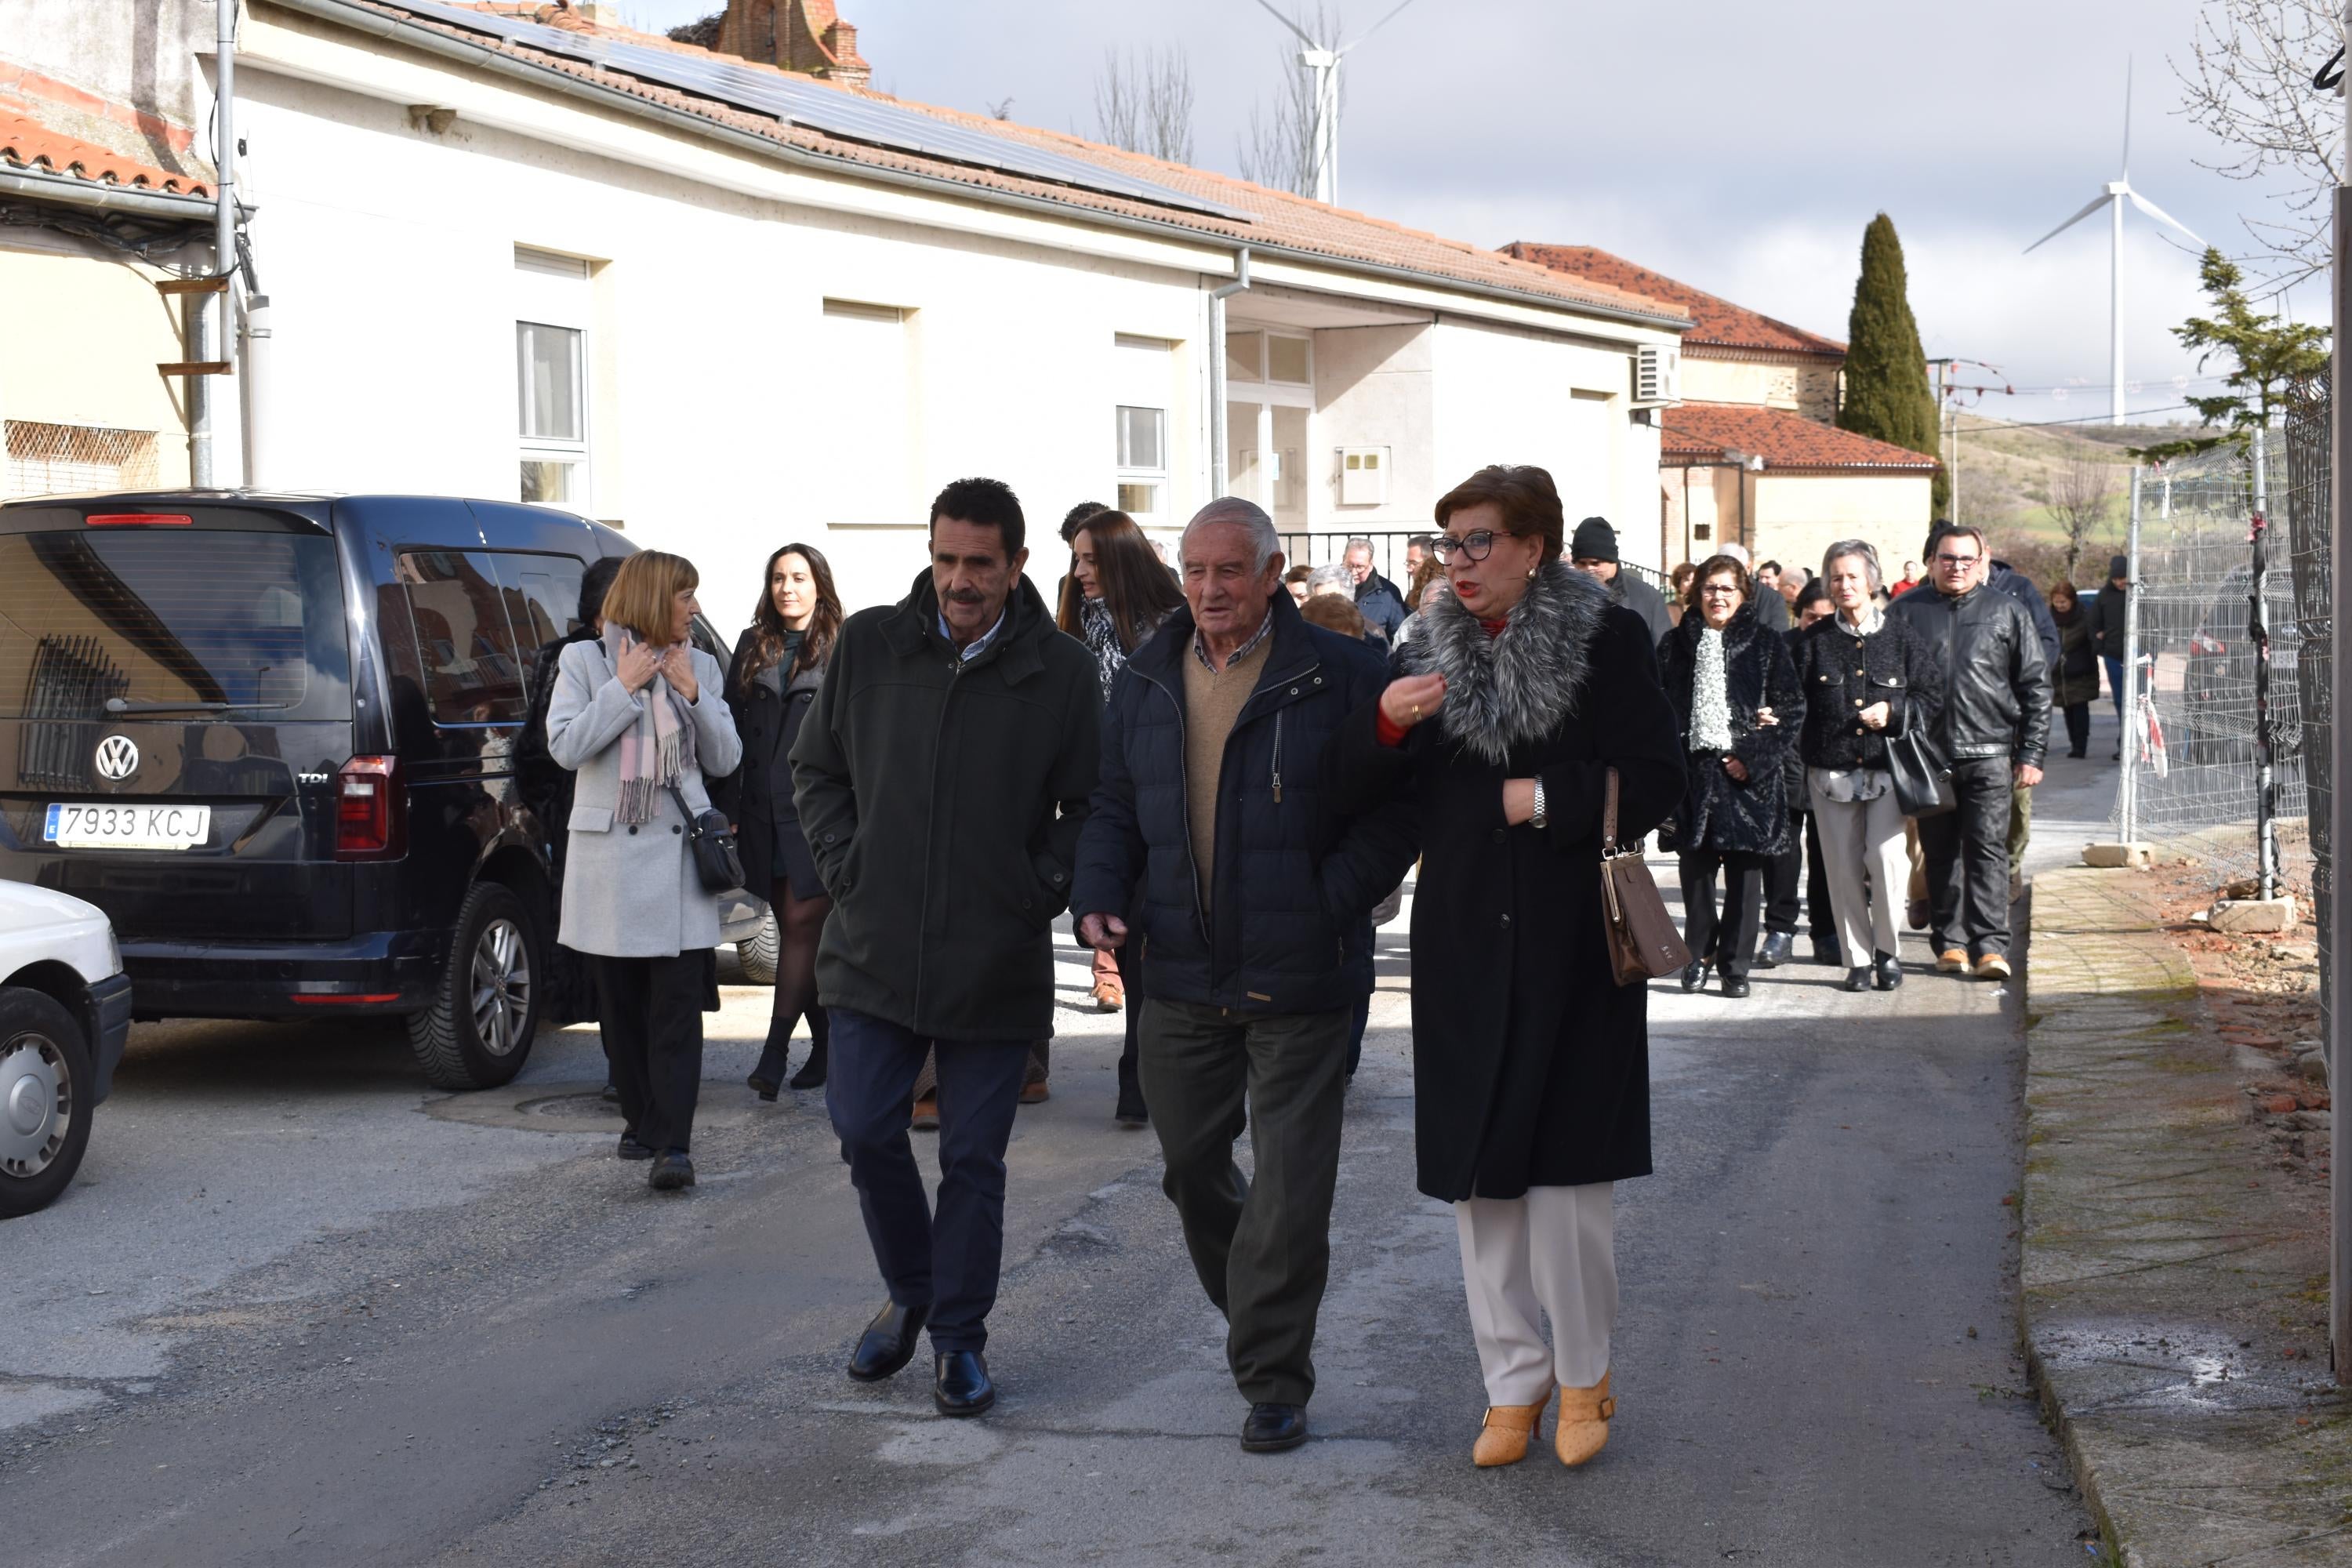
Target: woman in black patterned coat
{"x": 1734, "y": 688}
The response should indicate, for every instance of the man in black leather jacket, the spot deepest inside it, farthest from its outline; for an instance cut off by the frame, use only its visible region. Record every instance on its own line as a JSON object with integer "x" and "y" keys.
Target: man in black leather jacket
{"x": 1995, "y": 730}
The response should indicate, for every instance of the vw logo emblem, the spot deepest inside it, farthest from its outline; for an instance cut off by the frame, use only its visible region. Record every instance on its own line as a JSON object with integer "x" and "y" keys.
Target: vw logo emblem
{"x": 118, "y": 759}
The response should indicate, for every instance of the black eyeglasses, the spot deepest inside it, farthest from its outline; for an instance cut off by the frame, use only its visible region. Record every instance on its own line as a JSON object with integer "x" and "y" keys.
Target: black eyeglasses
{"x": 1473, "y": 546}
{"x": 1957, "y": 560}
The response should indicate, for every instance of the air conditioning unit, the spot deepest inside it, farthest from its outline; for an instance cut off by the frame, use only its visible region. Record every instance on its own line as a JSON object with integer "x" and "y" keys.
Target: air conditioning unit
{"x": 1363, "y": 476}
{"x": 1658, "y": 373}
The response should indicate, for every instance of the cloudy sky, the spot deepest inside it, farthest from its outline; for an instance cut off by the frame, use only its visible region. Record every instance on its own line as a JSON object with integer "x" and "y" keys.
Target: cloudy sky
{"x": 1740, "y": 147}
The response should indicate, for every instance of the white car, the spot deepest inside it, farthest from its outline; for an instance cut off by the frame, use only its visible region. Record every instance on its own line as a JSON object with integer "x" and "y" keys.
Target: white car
{"x": 65, "y": 1012}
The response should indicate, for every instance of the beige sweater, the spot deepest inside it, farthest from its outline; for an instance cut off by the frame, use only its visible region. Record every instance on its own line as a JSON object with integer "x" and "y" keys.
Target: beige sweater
{"x": 1212, "y": 701}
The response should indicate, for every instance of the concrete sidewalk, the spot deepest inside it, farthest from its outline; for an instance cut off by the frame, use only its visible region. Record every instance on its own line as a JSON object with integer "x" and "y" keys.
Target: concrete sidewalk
{"x": 2174, "y": 1289}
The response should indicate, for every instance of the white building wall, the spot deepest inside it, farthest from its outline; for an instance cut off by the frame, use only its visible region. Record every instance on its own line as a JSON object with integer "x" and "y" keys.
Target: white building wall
{"x": 736, "y": 430}
{"x": 1515, "y": 396}
{"x": 1374, "y": 386}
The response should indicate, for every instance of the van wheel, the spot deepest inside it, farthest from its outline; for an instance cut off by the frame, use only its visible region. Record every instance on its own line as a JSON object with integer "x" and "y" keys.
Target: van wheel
{"x": 44, "y": 1076}
{"x": 477, "y": 1033}
{"x": 757, "y": 952}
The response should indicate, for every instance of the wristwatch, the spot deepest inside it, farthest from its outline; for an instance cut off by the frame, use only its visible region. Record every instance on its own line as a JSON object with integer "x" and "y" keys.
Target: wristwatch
{"x": 1537, "y": 816}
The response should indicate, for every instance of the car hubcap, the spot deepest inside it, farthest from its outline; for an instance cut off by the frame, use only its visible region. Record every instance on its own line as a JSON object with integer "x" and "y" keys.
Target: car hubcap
{"x": 501, "y": 987}
{"x": 36, "y": 1104}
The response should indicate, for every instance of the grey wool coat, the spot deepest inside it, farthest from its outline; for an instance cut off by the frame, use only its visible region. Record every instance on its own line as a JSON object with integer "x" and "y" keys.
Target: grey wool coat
{"x": 632, "y": 891}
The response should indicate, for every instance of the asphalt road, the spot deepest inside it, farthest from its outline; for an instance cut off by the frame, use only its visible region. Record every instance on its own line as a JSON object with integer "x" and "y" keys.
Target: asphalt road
{"x": 298, "y": 1310}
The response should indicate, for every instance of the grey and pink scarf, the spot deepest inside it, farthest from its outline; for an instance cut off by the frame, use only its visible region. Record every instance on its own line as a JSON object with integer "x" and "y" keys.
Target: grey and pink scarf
{"x": 656, "y": 750}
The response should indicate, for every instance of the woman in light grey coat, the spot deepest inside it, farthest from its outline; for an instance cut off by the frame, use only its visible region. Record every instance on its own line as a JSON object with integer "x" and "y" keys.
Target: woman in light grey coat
{"x": 638, "y": 715}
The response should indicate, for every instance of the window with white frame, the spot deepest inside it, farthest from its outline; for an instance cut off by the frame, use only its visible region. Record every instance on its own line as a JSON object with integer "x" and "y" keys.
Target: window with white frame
{"x": 553, "y": 307}
{"x": 1146, "y": 385}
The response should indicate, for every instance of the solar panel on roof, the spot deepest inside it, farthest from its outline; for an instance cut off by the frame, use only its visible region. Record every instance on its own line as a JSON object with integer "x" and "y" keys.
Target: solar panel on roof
{"x": 827, "y": 109}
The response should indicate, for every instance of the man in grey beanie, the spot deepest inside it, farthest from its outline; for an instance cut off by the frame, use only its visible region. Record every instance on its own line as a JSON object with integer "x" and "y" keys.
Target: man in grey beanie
{"x": 1593, "y": 550}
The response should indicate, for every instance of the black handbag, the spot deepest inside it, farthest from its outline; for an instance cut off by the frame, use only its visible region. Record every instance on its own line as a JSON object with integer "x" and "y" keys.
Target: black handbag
{"x": 1923, "y": 779}
{"x": 713, "y": 838}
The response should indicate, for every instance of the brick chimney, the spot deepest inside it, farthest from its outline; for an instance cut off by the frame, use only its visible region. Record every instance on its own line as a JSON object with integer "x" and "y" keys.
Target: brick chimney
{"x": 804, "y": 36}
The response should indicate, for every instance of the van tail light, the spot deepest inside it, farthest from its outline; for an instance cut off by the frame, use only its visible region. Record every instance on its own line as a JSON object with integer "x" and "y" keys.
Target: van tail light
{"x": 370, "y": 810}
{"x": 139, "y": 520}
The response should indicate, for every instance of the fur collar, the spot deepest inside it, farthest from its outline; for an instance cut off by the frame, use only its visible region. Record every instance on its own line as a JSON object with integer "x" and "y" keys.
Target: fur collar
{"x": 1506, "y": 691}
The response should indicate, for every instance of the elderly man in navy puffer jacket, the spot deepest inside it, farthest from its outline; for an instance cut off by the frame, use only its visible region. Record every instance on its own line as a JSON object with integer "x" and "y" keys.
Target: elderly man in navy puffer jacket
{"x": 1212, "y": 819}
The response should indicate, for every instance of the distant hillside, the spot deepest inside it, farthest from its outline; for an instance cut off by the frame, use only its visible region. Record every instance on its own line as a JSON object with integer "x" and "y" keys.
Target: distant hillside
{"x": 2007, "y": 477}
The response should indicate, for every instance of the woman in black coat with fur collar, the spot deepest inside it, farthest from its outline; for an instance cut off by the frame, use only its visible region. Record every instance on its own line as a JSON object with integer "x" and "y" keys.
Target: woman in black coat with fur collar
{"x": 1734, "y": 691}
{"x": 1525, "y": 687}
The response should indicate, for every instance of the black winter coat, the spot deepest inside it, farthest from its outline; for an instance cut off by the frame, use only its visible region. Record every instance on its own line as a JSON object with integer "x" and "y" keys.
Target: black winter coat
{"x": 942, "y": 800}
{"x": 2107, "y": 612}
{"x": 1532, "y": 1063}
{"x": 769, "y": 709}
{"x": 1717, "y": 811}
{"x": 1381, "y": 606}
{"x": 1637, "y": 596}
{"x": 1295, "y": 874}
{"x": 2075, "y": 677}
{"x": 1996, "y": 671}
{"x": 1842, "y": 674}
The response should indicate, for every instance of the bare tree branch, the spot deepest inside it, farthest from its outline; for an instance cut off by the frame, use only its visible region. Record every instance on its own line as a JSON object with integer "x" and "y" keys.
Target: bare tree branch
{"x": 1278, "y": 149}
{"x": 2247, "y": 83}
{"x": 1145, "y": 104}
{"x": 2080, "y": 496}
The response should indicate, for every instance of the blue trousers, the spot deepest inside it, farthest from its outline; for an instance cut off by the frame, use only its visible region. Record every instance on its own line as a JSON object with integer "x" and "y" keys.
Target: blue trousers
{"x": 2115, "y": 683}
{"x": 946, "y": 1260}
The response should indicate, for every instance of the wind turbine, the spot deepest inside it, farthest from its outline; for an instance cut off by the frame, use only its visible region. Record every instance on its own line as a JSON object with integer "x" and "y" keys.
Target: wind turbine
{"x": 2114, "y": 196}
{"x": 1323, "y": 59}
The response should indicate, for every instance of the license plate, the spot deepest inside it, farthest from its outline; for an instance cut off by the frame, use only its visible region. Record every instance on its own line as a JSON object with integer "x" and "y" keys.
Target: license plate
{"x": 125, "y": 825}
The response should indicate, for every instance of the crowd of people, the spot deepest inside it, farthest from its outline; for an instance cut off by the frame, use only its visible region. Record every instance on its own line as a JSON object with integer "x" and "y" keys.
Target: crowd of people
{"x": 1223, "y": 774}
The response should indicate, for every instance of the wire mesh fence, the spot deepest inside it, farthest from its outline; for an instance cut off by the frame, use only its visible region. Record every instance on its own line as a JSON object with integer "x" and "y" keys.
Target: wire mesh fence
{"x": 2203, "y": 623}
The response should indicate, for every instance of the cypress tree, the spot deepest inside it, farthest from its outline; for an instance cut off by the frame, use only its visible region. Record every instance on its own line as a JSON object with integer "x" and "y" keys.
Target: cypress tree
{"x": 1886, "y": 391}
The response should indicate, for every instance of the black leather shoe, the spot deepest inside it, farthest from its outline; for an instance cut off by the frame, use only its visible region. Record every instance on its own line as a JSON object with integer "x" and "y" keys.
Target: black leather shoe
{"x": 961, "y": 1386}
{"x": 611, "y": 1093}
{"x": 1695, "y": 974}
{"x": 766, "y": 1088}
{"x": 1271, "y": 1428}
{"x": 888, "y": 1341}
{"x": 672, "y": 1171}
{"x": 1778, "y": 949}
{"x": 1858, "y": 979}
{"x": 1827, "y": 952}
{"x": 1734, "y": 985}
{"x": 1889, "y": 972}
{"x": 631, "y": 1149}
{"x": 812, "y": 1073}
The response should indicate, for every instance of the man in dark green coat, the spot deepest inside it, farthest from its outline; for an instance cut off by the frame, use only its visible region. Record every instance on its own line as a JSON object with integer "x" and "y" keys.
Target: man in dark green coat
{"x": 941, "y": 777}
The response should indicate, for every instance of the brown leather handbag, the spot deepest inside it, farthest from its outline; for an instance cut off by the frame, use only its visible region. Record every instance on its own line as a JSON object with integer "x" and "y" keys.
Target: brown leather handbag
{"x": 1642, "y": 942}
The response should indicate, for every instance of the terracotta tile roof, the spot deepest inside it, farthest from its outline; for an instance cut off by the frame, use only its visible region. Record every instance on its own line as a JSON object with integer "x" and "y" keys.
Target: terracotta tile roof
{"x": 24, "y": 143}
{"x": 1714, "y": 320}
{"x": 57, "y": 128}
{"x": 1289, "y": 221}
{"x": 1784, "y": 440}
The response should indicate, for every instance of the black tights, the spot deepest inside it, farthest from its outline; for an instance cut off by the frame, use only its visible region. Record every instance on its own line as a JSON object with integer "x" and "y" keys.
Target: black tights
{"x": 799, "y": 922}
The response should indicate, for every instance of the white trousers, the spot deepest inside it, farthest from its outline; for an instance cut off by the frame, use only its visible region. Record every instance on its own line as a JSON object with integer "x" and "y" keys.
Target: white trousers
{"x": 1552, "y": 1250}
{"x": 1858, "y": 837}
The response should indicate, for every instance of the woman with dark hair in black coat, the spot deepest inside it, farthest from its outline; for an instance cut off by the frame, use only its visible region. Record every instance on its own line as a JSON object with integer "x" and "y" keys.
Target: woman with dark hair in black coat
{"x": 778, "y": 663}
{"x": 1524, "y": 690}
{"x": 1734, "y": 688}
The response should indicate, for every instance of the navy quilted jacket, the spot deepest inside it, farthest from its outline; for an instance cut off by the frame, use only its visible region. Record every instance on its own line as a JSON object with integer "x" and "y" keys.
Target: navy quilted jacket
{"x": 1294, "y": 878}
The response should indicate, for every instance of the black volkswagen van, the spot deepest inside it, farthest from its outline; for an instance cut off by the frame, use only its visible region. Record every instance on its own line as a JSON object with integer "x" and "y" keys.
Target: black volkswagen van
{"x": 276, "y": 738}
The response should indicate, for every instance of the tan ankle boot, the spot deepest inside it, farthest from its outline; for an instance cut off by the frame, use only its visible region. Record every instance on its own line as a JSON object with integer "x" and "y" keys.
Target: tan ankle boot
{"x": 1504, "y": 1439}
{"x": 1582, "y": 1430}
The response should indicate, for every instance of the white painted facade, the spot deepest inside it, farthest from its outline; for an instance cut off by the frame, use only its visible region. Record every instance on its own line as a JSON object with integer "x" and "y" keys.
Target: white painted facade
{"x": 725, "y": 351}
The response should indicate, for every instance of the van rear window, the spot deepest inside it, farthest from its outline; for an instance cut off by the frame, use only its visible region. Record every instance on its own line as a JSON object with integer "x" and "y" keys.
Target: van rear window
{"x": 181, "y": 625}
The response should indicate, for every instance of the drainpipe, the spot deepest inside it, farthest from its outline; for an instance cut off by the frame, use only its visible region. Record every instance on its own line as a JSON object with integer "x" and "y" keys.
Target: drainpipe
{"x": 202, "y": 402}
{"x": 258, "y": 468}
{"x": 1218, "y": 477}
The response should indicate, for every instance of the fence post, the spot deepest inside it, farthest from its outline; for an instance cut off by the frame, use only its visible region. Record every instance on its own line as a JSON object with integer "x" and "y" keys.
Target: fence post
{"x": 2339, "y": 803}
{"x": 2128, "y": 787}
{"x": 2258, "y": 628}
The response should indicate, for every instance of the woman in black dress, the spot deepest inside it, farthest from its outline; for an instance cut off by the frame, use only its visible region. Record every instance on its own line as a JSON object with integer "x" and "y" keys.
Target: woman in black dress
{"x": 1526, "y": 689}
{"x": 778, "y": 662}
